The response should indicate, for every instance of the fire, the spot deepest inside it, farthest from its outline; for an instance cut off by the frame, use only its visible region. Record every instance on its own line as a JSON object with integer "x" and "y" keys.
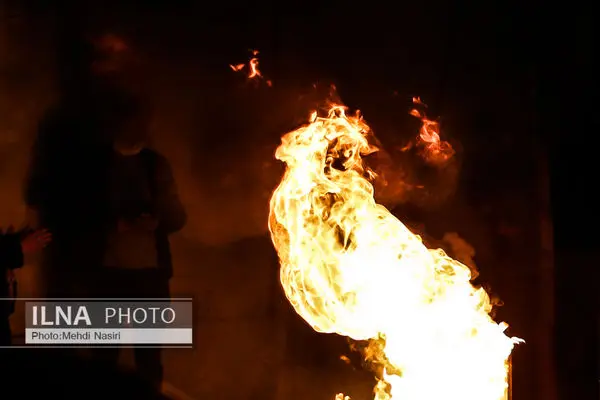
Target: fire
{"x": 348, "y": 266}
{"x": 253, "y": 71}
{"x": 434, "y": 149}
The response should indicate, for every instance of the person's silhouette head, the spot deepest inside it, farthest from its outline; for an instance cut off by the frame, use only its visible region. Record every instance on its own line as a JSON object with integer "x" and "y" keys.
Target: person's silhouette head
{"x": 112, "y": 54}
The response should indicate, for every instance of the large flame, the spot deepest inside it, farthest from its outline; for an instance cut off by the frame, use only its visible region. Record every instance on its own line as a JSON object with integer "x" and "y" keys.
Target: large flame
{"x": 348, "y": 266}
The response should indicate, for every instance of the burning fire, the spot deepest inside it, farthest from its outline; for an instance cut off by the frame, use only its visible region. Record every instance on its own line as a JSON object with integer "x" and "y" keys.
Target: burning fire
{"x": 253, "y": 71}
{"x": 434, "y": 150}
{"x": 348, "y": 266}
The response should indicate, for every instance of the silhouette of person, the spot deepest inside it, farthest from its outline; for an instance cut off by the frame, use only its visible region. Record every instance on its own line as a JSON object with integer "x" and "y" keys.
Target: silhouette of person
{"x": 64, "y": 191}
{"x": 141, "y": 211}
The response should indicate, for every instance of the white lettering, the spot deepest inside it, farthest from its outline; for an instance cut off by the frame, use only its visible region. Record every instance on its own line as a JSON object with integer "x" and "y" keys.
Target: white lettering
{"x": 171, "y": 311}
{"x": 144, "y": 313}
{"x": 63, "y": 315}
{"x": 82, "y": 314}
{"x": 44, "y": 321}
{"x": 109, "y": 313}
{"x": 154, "y": 310}
{"x": 127, "y": 315}
{"x": 60, "y": 314}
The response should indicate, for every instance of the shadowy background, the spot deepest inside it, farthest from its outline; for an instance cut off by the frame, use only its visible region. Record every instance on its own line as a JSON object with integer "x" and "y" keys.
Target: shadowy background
{"x": 496, "y": 75}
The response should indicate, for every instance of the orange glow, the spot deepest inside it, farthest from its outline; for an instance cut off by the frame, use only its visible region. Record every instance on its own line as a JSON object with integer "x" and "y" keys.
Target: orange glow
{"x": 237, "y": 67}
{"x": 252, "y": 68}
{"x": 111, "y": 43}
{"x": 434, "y": 149}
{"x": 348, "y": 266}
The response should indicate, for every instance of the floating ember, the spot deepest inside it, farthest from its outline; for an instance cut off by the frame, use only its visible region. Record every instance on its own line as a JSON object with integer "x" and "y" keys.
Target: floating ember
{"x": 348, "y": 266}
{"x": 251, "y": 67}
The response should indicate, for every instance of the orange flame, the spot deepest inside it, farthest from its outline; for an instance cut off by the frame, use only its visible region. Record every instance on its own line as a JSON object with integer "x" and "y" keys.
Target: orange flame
{"x": 434, "y": 149}
{"x": 253, "y": 71}
{"x": 237, "y": 67}
{"x": 348, "y": 266}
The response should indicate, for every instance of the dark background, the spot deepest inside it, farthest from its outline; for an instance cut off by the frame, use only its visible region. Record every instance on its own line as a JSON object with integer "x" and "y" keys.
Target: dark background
{"x": 512, "y": 84}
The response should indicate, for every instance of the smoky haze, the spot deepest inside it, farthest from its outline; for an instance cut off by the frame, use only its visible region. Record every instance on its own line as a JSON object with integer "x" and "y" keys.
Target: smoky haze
{"x": 218, "y": 130}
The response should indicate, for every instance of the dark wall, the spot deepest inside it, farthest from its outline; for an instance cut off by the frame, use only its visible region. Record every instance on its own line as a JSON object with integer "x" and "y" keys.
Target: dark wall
{"x": 567, "y": 102}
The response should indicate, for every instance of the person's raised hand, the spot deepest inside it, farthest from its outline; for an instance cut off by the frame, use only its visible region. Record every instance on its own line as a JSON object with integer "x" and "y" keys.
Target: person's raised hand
{"x": 35, "y": 241}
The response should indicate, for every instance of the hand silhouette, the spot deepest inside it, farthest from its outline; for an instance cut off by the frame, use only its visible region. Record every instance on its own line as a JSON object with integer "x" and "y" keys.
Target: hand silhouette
{"x": 36, "y": 241}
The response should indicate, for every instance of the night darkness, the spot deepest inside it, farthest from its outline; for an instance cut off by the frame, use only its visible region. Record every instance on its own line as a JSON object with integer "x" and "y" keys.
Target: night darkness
{"x": 511, "y": 85}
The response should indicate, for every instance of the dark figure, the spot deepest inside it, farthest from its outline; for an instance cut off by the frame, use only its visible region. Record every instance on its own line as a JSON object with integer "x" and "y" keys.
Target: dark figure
{"x": 12, "y": 248}
{"x": 110, "y": 202}
{"x": 65, "y": 190}
{"x": 143, "y": 209}
{"x": 63, "y": 194}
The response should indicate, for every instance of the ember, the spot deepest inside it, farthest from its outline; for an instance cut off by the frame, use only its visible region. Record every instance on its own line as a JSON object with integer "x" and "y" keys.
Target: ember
{"x": 252, "y": 68}
{"x": 348, "y": 266}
